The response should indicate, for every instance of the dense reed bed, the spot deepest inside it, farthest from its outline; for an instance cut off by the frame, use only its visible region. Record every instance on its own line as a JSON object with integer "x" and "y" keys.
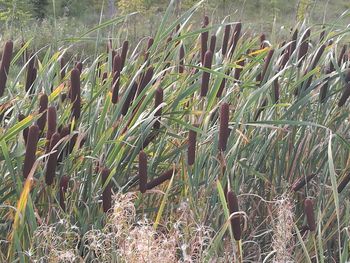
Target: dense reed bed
{"x": 179, "y": 148}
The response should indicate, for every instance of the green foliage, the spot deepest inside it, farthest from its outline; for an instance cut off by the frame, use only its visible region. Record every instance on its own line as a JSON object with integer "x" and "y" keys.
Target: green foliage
{"x": 14, "y": 11}
{"x": 40, "y": 8}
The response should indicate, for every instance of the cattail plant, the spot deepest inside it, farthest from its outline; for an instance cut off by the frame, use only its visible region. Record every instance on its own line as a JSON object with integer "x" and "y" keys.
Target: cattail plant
{"x": 63, "y": 189}
{"x": 75, "y": 93}
{"x": 160, "y": 179}
{"x": 115, "y": 87}
{"x": 149, "y": 45}
{"x": 142, "y": 172}
{"x": 79, "y": 66}
{"x": 235, "y": 37}
{"x": 191, "y": 150}
{"x": 276, "y": 90}
{"x": 145, "y": 80}
{"x": 302, "y": 181}
{"x": 260, "y": 109}
{"x": 181, "y": 59}
{"x": 309, "y": 213}
{"x": 158, "y": 99}
{"x": 52, "y": 160}
{"x": 30, "y": 155}
{"x": 224, "y": 129}
{"x": 43, "y": 102}
{"x": 293, "y": 44}
{"x": 63, "y": 133}
{"x": 267, "y": 63}
{"x": 104, "y": 78}
{"x": 31, "y": 74}
{"x": 225, "y": 39}
{"x": 5, "y": 65}
{"x": 107, "y": 191}
{"x": 343, "y": 183}
{"x": 51, "y": 125}
{"x": 117, "y": 63}
{"x": 232, "y": 202}
{"x": 344, "y": 97}
{"x": 341, "y": 55}
{"x": 26, "y": 130}
{"x": 262, "y": 41}
{"x": 304, "y": 46}
{"x": 212, "y": 44}
{"x": 222, "y": 86}
{"x": 204, "y": 39}
{"x": 206, "y": 75}
{"x": 129, "y": 98}
{"x": 124, "y": 53}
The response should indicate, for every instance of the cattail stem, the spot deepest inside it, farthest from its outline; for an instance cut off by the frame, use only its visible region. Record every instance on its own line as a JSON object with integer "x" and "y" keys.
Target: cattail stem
{"x": 30, "y": 155}
{"x": 143, "y": 171}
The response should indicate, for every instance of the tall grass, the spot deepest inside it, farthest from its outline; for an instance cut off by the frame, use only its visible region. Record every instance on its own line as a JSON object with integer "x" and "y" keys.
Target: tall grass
{"x": 151, "y": 117}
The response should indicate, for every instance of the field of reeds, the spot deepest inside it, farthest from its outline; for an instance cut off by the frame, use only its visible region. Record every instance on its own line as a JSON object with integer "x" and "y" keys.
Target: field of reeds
{"x": 201, "y": 143}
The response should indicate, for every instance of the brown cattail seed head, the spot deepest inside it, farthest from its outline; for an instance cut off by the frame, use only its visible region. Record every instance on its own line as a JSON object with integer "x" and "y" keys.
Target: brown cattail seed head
{"x": 224, "y": 130}
{"x": 293, "y": 44}
{"x": 267, "y": 63}
{"x": 43, "y": 102}
{"x": 235, "y": 37}
{"x": 344, "y": 97}
{"x": 52, "y": 161}
{"x": 157, "y": 101}
{"x": 129, "y": 99}
{"x": 303, "y": 47}
{"x": 341, "y": 55}
{"x": 115, "y": 87}
{"x": 51, "y": 125}
{"x": 343, "y": 183}
{"x": 206, "y": 75}
{"x": 107, "y": 192}
{"x": 181, "y": 59}
{"x": 161, "y": 179}
{"x": 309, "y": 212}
{"x": 205, "y": 21}
{"x": 117, "y": 63}
{"x": 143, "y": 171}
{"x": 5, "y": 65}
{"x": 225, "y": 39}
{"x": 124, "y": 52}
{"x": 30, "y": 156}
{"x": 204, "y": 44}
{"x": 232, "y": 202}
{"x": 79, "y": 66}
{"x": 239, "y": 69}
{"x": 26, "y": 130}
{"x": 75, "y": 93}
{"x": 63, "y": 189}
{"x": 212, "y": 44}
{"x": 145, "y": 80}
{"x": 191, "y": 151}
